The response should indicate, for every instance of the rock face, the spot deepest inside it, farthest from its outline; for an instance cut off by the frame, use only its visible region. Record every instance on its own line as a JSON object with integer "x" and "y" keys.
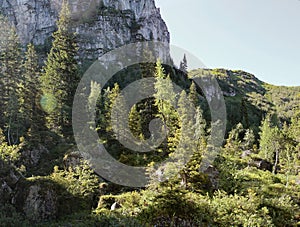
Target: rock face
{"x": 40, "y": 204}
{"x": 101, "y": 25}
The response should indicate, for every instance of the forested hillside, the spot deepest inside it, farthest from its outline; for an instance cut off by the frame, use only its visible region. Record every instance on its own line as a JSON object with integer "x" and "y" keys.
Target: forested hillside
{"x": 45, "y": 180}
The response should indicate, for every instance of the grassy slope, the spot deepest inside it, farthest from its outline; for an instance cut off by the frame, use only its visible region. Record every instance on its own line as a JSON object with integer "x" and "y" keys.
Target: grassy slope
{"x": 253, "y": 98}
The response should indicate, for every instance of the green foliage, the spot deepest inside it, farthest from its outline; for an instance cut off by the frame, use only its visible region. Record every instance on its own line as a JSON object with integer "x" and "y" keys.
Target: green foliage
{"x": 165, "y": 101}
{"x": 135, "y": 123}
{"x": 8, "y": 153}
{"x": 9, "y": 217}
{"x": 11, "y": 78}
{"x": 175, "y": 205}
{"x": 282, "y": 209}
{"x": 79, "y": 181}
{"x": 240, "y": 193}
{"x": 235, "y": 210}
{"x": 30, "y": 95}
{"x": 60, "y": 77}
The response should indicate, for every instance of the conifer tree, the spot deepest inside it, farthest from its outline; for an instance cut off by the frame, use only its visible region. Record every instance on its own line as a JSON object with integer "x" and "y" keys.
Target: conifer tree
{"x": 135, "y": 122}
{"x": 188, "y": 139}
{"x": 147, "y": 70}
{"x": 183, "y": 65}
{"x": 95, "y": 98}
{"x": 119, "y": 118}
{"x": 30, "y": 92}
{"x": 165, "y": 101}
{"x": 270, "y": 142}
{"x": 193, "y": 95}
{"x": 60, "y": 77}
{"x": 11, "y": 61}
{"x": 234, "y": 140}
{"x": 249, "y": 139}
{"x": 111, "y": 97}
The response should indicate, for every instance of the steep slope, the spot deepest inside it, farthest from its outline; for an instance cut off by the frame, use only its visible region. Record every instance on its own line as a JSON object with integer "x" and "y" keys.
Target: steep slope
{"x": 248, "y": 99}
{"x": 101, "y": 25}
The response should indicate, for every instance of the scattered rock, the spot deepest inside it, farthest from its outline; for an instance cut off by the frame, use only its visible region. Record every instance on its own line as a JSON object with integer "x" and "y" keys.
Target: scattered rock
{"x": 261, "y": 164}
{"x": 246, "y": 153}
{"x": 72, "y": 160}
{"x": 213, "y": 175}
{"x": 115, "y": 205}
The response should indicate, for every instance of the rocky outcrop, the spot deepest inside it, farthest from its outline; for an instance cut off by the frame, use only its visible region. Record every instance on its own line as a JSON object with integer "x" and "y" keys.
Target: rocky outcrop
{"x": 9, "y": 179}
{"x": 261, "y": 164}
{"x": 72, "y": 160}
{"x": 40, "y": 204}
{"x": 32, "y": 157}
{"x": 101, "y": 25}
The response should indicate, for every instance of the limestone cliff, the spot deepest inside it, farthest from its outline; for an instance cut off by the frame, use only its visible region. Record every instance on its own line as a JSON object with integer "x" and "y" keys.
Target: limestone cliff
{"x": 101, "y": 25}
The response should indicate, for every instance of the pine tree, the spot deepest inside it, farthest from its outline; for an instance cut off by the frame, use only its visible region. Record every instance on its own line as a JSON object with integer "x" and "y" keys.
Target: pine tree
{"x": 60, "y": 77}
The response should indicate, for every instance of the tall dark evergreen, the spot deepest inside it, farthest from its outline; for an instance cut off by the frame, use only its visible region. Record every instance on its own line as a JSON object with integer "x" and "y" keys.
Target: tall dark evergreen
{"x": 30, "y": 94}
{"x": 11, "y": 77}
{"x": 183, "y": 65}
{"x": 60, "y": 77}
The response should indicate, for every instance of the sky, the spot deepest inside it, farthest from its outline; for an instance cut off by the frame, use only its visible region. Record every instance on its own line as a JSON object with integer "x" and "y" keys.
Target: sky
{"x": 258, "y": 36}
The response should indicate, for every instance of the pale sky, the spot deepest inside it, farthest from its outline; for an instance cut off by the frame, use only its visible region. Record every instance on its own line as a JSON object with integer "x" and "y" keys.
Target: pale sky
{"x": 258, "y": 36}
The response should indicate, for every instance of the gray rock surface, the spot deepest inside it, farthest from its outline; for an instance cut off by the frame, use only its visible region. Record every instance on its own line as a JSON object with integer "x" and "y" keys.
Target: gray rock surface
{"x": 102, "y": 25}
{"x": 40, "y": 203}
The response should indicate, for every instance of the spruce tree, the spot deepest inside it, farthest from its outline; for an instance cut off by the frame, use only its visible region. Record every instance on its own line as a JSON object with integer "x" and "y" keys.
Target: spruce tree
{"x": 193, "y": 95}
{"x": 135, "y": 122}
{"x": 111, "y": 97}
{"x": 188, "y": 139}
{"x": 147, "y": 69}
{"x": 11, "y": 61}
{"x": 30, "y": 94}
{"x": 270, "y": 142}
{"x": 183, "y": 65}
{"x": 165, "y": 101}
{"x": 60, "y": 77}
